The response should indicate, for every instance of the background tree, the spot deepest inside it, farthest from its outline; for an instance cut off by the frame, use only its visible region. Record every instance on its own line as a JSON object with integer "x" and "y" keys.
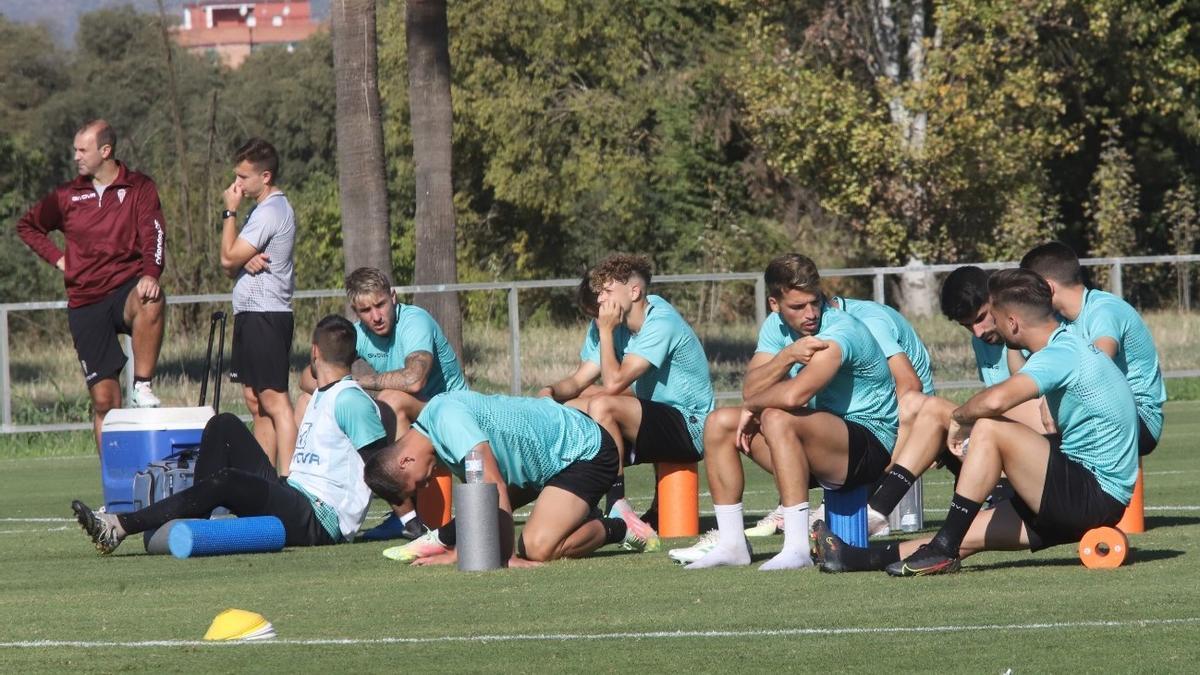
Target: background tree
{"x": 427, "y": 37}
{"x": 362, "y": 185}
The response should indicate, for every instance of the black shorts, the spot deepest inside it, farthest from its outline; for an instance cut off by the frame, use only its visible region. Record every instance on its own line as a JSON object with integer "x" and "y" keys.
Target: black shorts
{"x": 867, "y": 462}
{"x": 1072, "y": 503}
{"x": 590, "y": 479}
{"x": 662, "y": 437}
{"x": 1146, "y": 440}
{"x": 262, "y": 349}
{"x": 95, "y": 328}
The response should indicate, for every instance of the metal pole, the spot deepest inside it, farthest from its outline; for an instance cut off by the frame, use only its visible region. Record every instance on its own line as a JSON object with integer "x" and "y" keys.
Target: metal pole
{"x": 1118, "y": 289}
{"x": 879, "y": 294}
{"x": 760, "y": 300}
{"x": 514, "y": 335}
{"x": 6, "y": 372}
{"x": 127, "y": 343}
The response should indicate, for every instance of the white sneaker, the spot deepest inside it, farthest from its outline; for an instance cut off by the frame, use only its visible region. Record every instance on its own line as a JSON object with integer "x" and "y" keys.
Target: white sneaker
{"x": 877, "y": 523}
{"x": 768, "y": 524}
{"x": 690, "y": 554}
{"x": 143, "y": 396}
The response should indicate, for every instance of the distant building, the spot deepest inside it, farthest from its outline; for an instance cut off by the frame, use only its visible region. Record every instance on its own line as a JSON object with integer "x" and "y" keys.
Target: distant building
{"x": 231, "y": 30}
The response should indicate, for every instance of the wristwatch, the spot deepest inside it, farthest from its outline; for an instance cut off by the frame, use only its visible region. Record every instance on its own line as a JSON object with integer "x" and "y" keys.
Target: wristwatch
{"x": 228, "y": 214}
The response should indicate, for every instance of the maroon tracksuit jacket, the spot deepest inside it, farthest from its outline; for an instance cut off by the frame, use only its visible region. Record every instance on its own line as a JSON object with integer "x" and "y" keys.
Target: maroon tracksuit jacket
{"x": 110, "y": 238}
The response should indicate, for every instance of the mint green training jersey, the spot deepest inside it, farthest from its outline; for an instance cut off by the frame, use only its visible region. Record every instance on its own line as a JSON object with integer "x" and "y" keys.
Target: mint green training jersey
{"x": 894, "y": 334}
{"x": 679, "y": 374}
{"x": 991, "y": 360}
{"x": 414, "y": 331}
{"x": 1093, "y": 406}
{"x": 532, "y": 439}
{"x": 862, "y": 390}
{"x": 1105, "y": 315}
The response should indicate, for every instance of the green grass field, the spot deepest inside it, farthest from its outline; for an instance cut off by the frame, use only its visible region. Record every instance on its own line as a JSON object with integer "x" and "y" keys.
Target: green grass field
{"x": 346, "y": 608}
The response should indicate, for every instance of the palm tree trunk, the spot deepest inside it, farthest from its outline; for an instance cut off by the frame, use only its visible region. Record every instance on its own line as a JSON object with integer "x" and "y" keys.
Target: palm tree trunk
{"x": 362, "y": 187}
{"x": 427, "y": 37}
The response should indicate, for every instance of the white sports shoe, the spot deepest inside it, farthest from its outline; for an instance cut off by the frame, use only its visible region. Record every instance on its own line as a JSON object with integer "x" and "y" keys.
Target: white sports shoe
{"x": 768, "y": 524}
{"x": 143, "y": 396}
{"x": 877, "y": 523}
{"x": 690, "y": 554}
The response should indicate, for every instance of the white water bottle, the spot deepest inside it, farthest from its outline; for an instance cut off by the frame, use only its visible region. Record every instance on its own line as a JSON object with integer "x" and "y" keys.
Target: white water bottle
{"x": 474, "y": 467}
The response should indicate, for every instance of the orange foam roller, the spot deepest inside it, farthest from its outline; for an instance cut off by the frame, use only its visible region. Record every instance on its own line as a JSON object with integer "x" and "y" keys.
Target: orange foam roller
{"x": 678, "y": 500}
{"x": 1103, "y": 548}
{"x": 434, "y": 500}
{"x": 1134, "y": 520}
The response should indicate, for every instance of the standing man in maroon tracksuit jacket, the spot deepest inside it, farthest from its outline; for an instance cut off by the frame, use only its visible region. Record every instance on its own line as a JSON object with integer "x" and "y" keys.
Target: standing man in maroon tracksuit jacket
{"x": 115, "y": 245}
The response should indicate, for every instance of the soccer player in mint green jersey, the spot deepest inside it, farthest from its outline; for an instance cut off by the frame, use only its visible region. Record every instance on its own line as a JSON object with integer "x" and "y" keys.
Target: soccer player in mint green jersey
{"x": 532, "y": 449}
{"x": 1065, "y": 485}
{"x": 819, "y": 404}
{"x": 664, "y": 363}
{"x": 324, "y": 498}
{"x": 1113, "y": 326}
{"x": 412, "y": 361}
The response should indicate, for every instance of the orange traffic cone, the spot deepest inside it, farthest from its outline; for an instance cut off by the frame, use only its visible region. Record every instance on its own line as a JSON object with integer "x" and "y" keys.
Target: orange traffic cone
{"x": 434, "y": 500}
{"x": 1134, "y": 520}
{"x": 678, "y": 500}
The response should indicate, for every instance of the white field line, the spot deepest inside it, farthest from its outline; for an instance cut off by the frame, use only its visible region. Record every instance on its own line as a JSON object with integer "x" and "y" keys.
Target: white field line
{"x": 631, "y": 635}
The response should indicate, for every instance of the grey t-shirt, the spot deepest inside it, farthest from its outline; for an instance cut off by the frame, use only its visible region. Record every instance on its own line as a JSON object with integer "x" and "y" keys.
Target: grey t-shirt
{"x": 270, "y": 228}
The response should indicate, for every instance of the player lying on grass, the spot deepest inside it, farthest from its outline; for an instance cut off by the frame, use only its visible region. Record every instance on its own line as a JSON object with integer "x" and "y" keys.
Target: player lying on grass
{"x": 1113, "y": 326}
{"x": 819, "y": 404}
{"x": 1065, "y": 485}
{"x": 322, "y": 500}
{"x": 641, "y": 341}
{"x": 531, "y": 448}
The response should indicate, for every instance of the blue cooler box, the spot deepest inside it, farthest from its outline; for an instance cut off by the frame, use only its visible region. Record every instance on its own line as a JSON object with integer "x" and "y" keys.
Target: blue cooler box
{"x": 134, "y": 437}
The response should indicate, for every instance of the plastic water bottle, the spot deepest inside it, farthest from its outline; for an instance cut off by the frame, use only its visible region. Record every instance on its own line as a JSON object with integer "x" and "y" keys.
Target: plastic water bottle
{"x": 474, "y": 467}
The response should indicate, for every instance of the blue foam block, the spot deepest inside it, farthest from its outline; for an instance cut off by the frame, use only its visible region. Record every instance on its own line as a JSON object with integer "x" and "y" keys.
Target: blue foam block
{"x": 226, "y": 536}
{"x": 846, "y": 512}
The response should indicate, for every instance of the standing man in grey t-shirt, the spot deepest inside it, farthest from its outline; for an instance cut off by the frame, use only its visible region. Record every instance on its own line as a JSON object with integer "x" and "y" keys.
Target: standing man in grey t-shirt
{"x": 260, "y": 259}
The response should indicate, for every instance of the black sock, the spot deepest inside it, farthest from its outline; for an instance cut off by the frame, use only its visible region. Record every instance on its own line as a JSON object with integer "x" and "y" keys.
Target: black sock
{"x": 958, "y": 520}
{"x": 137, "y": 379}
{"x": 895, "y": 484}
{"x": 616, "y": 492}
{"x": 871, "y": 559}
{"x": 448, "y": 534}
{"x": 614, "y": 530}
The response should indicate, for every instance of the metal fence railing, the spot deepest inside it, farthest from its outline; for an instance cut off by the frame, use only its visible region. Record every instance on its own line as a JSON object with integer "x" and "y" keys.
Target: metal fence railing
{"x": 878, "y": 275}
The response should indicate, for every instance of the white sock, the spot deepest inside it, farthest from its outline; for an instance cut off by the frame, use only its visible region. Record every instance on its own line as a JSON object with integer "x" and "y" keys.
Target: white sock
{"x": 795, "y": 541}
{"x": 406, "y": 518}
{"x": 729, "y": 525}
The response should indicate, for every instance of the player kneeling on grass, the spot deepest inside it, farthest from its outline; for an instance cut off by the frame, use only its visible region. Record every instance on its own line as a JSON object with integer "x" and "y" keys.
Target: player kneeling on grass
{"x": 1065, "y": 485}
{"x": 322, "y": 500}
{"x": 531, "y": 448}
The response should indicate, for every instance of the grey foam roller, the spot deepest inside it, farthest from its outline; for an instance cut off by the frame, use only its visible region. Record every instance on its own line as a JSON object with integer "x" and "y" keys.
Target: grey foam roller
{"x": 476, "y": 517}
{"x": 156, "y": 540}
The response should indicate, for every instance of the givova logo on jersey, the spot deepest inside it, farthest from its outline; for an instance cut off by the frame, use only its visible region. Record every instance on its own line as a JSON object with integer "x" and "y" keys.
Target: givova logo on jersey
{"x": 301, "y": 456}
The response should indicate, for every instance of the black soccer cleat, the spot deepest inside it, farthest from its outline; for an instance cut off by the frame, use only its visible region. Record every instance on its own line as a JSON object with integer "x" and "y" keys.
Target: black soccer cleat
{"x": 826, "y": 548}
{"x": 925, "y": 561}
{"x": 101, "y": 527}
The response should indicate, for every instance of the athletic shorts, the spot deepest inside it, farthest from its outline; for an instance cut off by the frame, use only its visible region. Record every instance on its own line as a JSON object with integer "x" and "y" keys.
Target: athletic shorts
{"x": 1146, "y": 440}
{"x": 867, "y": 462}
{"x": 262, "y": 349}
{"x": 95, "y": 328}
{"x": 1072, "y": 503}
{"x": 662, "y": 437}
{"x": 590, "y": 479}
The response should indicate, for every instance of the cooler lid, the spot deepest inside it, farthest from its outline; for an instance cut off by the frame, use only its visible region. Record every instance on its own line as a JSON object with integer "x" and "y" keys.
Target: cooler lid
{"x": 156, "y": 419}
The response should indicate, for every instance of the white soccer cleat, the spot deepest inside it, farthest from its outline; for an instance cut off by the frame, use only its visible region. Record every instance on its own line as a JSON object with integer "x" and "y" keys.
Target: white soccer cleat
{"x": 723, "y": 556}
{"x": 692, "y": 553}
{"x": 143, "y": 396}
{"x": 768, "y": 524}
